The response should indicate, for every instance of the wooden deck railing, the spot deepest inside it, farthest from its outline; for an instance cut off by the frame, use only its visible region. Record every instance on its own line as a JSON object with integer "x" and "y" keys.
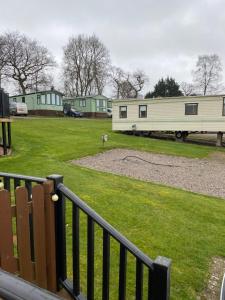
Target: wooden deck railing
{"x": 33, "y": 242}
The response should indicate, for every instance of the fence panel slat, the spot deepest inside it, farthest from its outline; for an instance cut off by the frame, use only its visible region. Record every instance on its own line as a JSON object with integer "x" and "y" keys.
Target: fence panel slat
{"x": 39, "y": 236}
{"x": 50, "y": 236}
{"x": 8, "y": 262}
{"x": 28, "y": 185}
{"x": 23, "y": 234}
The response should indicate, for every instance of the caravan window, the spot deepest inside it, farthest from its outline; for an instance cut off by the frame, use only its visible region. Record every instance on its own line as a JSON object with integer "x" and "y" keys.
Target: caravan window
{"x": 82, "y": 103}
{"x": 191, "y": 108}
{"x": 54, "y": 99}
{"x": 38, "y": 99}
{"x": 43, "y": 99}
{"x": 48, "y": 98}
{"x": 123, "y": 112}
{"x": 142, "y": 111}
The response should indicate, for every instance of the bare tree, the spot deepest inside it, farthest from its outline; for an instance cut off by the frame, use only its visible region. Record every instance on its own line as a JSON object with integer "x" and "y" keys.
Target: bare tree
{"x": 126, "y": 85}
{"x": 26, "y": 61}
{"x": 127, "y": 90}
{"x": 86, "y": 66}
{"x": 40, "y": 81}
{"x": 207, "y": 75}
{"x": 137, "y": 80}
{"x": 187, "y": 88}
{"x": 117, "y": 76}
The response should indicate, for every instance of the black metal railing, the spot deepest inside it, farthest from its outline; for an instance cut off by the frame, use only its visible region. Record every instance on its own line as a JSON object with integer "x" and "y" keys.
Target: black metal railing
{"x": 6, "y": 125}
{"x": 6, "y": 140}
{"x": 12, "y": 181}
{"x": 158, "y": 277}
{"x": 158, "y": 281}
{"x": 4, "y": 104}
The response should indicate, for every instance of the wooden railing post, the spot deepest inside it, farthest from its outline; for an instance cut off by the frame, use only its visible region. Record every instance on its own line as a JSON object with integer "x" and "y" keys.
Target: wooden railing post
{"x": 60, "y": 234}
{"x": 50, "y": 236}
{"x": 159, "y": 279}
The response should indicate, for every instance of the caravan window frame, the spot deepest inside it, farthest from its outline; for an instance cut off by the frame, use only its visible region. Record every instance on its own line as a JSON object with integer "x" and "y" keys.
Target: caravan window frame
{"x": 43, "y": 99}
{"x": 223, "y": 112}
{"x": 145, "y": 111}
{"x": 82, "y": 103}
{"x": 194, "y": 113}
{"x": 38, "y": 99}
{"x": 123, "y": 111}
{"x": 48, "y": 99}
{"x": 53, "y": 99}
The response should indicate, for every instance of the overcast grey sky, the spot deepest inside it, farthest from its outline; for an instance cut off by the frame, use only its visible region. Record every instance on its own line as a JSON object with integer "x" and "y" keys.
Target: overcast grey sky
{"x": 161, "y": 37}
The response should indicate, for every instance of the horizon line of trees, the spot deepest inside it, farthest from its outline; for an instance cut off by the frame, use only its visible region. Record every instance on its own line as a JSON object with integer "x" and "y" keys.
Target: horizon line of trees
{"x": 86, "y": 70}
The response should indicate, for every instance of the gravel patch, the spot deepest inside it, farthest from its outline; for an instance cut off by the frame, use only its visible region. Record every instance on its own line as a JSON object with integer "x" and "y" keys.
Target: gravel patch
{"x": 204, "y": 176}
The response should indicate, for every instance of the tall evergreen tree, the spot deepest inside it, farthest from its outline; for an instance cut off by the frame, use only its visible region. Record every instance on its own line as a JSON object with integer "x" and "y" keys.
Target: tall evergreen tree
{"x": 165, "y": 88}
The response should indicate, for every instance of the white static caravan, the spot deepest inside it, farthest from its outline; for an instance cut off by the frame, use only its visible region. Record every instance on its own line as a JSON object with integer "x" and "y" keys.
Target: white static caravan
{"x": 177, "y": 114}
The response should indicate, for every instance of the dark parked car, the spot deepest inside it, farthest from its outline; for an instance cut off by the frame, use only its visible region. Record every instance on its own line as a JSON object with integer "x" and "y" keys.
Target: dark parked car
{"x": 71, "y": 112}
{"x": 76, "y": 114}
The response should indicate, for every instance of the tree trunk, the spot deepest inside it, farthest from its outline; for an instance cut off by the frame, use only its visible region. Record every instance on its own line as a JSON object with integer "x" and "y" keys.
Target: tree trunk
{"x": 23, "y": 88}
{"x": 205, "y": 89}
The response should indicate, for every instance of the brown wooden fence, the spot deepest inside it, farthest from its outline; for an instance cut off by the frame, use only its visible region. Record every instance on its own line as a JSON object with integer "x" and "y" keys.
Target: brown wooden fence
{"x": 27, "y": 234}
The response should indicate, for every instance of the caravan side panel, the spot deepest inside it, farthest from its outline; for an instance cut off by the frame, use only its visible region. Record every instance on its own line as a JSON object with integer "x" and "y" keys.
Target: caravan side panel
{"x": 169, "y": 115}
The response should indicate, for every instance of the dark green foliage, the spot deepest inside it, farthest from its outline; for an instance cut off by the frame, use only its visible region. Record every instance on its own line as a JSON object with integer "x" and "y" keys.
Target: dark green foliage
{"x": 165, "y": 88}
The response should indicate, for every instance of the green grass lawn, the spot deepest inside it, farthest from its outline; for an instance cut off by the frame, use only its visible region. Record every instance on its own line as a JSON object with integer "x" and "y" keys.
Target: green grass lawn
{"x": 186, "y": 227}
